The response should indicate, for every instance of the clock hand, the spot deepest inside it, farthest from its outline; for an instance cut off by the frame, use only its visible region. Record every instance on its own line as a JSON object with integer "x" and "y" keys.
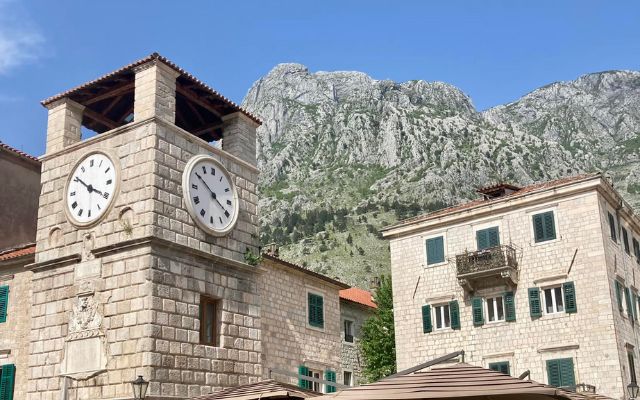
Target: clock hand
{"x": 221, "y": 206}
{"x": 212, "y": 193}
{"x": 76, "y": 179}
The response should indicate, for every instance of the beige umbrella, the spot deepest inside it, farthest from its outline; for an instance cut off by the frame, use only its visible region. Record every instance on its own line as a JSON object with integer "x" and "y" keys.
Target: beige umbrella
{"x": 267, "y": 389}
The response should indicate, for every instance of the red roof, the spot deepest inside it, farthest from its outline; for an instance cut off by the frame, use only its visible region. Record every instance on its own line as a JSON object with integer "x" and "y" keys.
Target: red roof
{"x": 4, "y": 146}
{"x": 536, "y": 187}
{"x": 15, "y": 253}
{"x": 358, "y": 295}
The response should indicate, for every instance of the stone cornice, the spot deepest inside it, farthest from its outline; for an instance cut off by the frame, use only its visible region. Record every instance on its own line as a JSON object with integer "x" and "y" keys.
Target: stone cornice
{"x": 56, "y": 262}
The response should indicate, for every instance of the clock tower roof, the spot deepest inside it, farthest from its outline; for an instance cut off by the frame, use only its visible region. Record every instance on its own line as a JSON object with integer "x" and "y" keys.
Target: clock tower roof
{"x": 109, "y": 100}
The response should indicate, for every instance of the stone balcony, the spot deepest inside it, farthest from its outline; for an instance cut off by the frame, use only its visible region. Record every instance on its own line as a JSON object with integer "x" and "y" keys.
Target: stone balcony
{"x": 488, "y": 267}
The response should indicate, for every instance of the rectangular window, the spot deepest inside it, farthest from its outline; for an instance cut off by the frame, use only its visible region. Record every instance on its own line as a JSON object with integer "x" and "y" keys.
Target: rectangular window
{"x": 502, "y": 366}
{"x": 495, "y": 309}
{"x": 619, "y": 295}
{"x": 636, "y": 250}
{"x": 560, "y": 373}
{"x": 347, "y": 378}
{"x": 209, "y": 309}
{"x": 553, "y": 300}
{"x": 612, "y": 228}
{"x": 7, "y": 378}
{"x": 435, "y": 250}
{"x": 443, "y": 316}
{"x": 632, "y": 366}
{"x": 348, "y": 331}
{"x": 625, "y": 241}
{"x": 316, "y": 310}
{"x": 487, "y": 238}
{"x": 544, "y": 227}
{"x": 4, "y": 303}
{"x": 315, "y": 386}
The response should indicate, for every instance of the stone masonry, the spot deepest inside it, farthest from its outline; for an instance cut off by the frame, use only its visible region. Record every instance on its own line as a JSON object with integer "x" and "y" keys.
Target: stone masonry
{"x": 352, "y": 360}
{"x": 597, "y": 336}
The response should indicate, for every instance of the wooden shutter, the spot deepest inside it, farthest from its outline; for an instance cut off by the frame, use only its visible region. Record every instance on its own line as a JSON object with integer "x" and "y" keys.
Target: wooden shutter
{"x": 567, "y": 376}
{"x": 538, "y": 228}
{"x": 634, "y": 300}
{"x": 549, "y": 226}
{"x": 619, "y": 295}
{"x": 612, "y": 228}
{"x": 487, "y": 238}
{"x": 435, "y": 250}
{"x": 331, "y": 377}
{"x": 509, "y": 307}
{"x": 625, "y": 240}
{"x": 303, "y": 383}
{"x": 454, "y": 309}
{"x": 627, "y": 293}
{"x": 553, "y": 373}
{"x": 4, "y": 302}
{"x": 6, "y": 381}
{"x": 316, "y": 315}
{"x": 535, "y": 308}
{"x": 570, "y": 305}
{"x": 426, "y": 319}
{"x": 476, "y": 306}
{"x": 636, "y": 250}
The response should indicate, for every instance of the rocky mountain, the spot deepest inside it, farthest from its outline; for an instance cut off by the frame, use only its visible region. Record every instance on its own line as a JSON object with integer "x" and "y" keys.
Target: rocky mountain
{"x": 343, "y": 154}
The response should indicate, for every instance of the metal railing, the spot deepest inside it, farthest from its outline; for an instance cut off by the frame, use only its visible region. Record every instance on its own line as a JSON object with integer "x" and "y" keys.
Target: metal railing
{"x": 493, "y": 258}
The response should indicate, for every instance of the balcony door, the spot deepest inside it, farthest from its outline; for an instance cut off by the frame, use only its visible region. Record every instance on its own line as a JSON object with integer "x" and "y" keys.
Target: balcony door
{"x": 487, "y": 238}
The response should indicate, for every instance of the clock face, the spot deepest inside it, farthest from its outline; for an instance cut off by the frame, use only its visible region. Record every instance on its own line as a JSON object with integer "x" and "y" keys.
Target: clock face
{"x": 91, "y": 188}
{"x": 210, "y": 195}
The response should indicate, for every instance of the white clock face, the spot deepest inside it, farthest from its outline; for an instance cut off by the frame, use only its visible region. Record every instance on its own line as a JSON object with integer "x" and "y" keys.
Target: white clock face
{"x": 91, "y": 188}
{"x": 210, "y": 195}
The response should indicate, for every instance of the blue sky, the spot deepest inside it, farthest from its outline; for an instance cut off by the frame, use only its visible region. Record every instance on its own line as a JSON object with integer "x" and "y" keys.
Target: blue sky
{"x": 495, "y": 51}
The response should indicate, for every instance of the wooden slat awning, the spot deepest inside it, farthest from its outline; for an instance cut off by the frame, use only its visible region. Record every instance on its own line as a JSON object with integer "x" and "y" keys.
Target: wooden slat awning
{"x": 267, "y": 389}
{"x": 458, "y": 381}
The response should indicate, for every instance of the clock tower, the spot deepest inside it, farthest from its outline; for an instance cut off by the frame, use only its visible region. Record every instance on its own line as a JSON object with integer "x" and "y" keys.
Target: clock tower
{"x": 141, "y": 239}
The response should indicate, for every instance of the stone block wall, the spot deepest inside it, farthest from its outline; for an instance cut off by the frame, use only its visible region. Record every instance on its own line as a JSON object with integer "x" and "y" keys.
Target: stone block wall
{"x": 351, "y": 356}
{"x": 288, "y": 340}
{"x": 576, "y": 255}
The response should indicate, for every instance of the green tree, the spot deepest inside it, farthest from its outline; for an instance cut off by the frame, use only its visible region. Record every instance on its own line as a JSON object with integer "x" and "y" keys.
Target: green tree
{"x": 378, "y": 343}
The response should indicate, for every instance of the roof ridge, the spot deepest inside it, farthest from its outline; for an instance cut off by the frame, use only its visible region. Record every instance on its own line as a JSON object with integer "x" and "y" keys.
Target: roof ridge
{"x": 18, "y": 152}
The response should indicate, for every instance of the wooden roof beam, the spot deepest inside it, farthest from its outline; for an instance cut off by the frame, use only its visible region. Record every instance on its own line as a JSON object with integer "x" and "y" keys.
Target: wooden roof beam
{"x": 97, "y": 117}
{"x": 192, "y": 97}
{"x": 111, "y": 93}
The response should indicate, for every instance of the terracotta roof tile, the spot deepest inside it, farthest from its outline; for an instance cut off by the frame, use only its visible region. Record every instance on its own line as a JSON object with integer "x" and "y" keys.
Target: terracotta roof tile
{"x": 18, "y": 152}
{"x": 480, "y": 202}
{"x": 358, "y": 295}
{"x": 267, "y": 389}
{"x": 17, "y": 252}
{"x": 150, "y": 57}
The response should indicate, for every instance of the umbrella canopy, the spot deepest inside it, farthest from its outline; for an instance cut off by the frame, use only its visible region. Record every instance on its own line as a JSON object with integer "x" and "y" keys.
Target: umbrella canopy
{"x": 267, "y": 389}
{"x": 458, "y": 381}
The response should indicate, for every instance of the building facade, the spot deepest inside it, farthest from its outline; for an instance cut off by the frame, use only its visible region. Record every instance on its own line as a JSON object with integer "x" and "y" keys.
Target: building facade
{"x": 356, "y": 306}
{"x": 541, "y": 278}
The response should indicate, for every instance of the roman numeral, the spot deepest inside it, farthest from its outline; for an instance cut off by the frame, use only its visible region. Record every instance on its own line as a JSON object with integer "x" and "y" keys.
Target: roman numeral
{"x": 204, "y": 169}
{"x": 226, "y": 214}
{"x": 107, "y": 170}
{"x": 91, "y": 162}
{"x": 106, "y": 195}
{"x": 211, "y": 220}
{"x": 109, "y": 182}
{"x": 226, "y": 190}
{"x": 196, "y": 200}
{"x": 100, "y": 165}
{"x": 220, "y": 179}
{"x": 220, "y": 218}
{"x": 213, "y": 171}
{"x": 193, "y": 185}
{"x": 99, "y": 207}
{"x": 72, "y": 194}
{"x": 82, "y": 168}
{"x": 202, "y": 212}
{"x": 229, "y": 202}
{"x": 80, "y": 213}
{"x": 74, "y": 205}
{"x": 89, "y": 214}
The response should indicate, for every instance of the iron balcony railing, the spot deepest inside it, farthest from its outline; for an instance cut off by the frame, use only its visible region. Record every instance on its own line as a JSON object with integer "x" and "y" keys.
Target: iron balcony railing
{"x": 484, "y": 262}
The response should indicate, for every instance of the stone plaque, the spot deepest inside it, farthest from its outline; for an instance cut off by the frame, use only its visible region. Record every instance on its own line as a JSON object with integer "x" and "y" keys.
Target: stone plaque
{"x": 84, "y": 357}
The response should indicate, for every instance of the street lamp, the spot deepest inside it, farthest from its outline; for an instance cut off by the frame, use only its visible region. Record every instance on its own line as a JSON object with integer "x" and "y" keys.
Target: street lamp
{"x": 139, "y": 388}
{"x": 632, "y": 388}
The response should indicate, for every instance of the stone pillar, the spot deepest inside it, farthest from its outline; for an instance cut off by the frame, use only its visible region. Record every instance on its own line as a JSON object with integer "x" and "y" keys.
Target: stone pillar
{"x": 155, "y": 93}
{"x": 239, "y": 136}
{"x": 64, "y": 124}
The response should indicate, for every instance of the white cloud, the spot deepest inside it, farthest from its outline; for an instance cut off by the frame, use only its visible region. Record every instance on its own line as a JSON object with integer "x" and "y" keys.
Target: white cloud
{"x": 20, "y": 41}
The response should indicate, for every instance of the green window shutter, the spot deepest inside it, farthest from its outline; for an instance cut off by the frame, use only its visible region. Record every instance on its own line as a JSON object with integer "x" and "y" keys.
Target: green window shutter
{"x": 535, "y": 308}
{"x": 625, "y": 241}
{"x": 6, "y": 381}
{"x": 476, "y": 306}
{"x": 634, "y": 300}
{"x": 544, "y": 226}
{"x": 4, "y": 302}
{"x": 627, "y": 293}
{"x": 566, "y": 373}
{"x": 619, "y": 295}
{"x": 303, "y": 383}
{"x": 426, "y": 319}
{"x": 570, "y": 305}
{"x": 553, "y": 373}
{"x": 316, "y": 315}
{"x": 538, "y": 228}
{"x": 331, "y": 377}
{"x": 509, "y": 307}
{"x": 636, "y": 250}
{"x": 435, "y": 250}
{"x": 502, "y": 367}
{"x": 486, "y": 238}
{"x": 454, "y": 309}
{"x": 612, "y": 228}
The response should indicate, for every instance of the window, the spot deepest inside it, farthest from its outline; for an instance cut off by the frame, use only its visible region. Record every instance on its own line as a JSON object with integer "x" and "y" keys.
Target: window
{"x": 502, "y": 366}
{"x": 443, "y": 318}
{"x": 612, "y": 228}
{"x": 544, "y": 227}
{"x": 315, "y": 310}
{"x": 619, "y": 296}
{"x": 209, "y": 317}
{"x": 487, "y": 238}
{"x": 7, "y": 378}
{"x": 629, "y": 299}
{"x": 4, "y": 302}
{"x": 625, "y": 241}
{"x": 495, "y": 309}
{"x": 315, "y": 386}
{"x": 560, "y": 373}
{"x": 347, "y": 378}
{"x": 553, "y": 302}
{"x": 632, "y": 366}
{"x": 636, "y": 250}
{"x": 329, "y": 376}
{"x": 348, "y": 331}
{"x": 435, "y": 250}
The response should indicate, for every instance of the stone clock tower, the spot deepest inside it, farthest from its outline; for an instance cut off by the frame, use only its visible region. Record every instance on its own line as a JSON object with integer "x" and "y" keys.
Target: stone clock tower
{"x": 136, "y": 273}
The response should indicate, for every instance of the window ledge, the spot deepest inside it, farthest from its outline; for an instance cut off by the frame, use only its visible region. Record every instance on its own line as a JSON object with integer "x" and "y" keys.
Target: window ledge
{"x": 559, "y": 278}
{"x": 494, "y": 324}
{"x": 440, "y": 264}
{"x": 545, "y": 242}
{"x": 555, "y": 348}
{"x": 442, "y": 331}
{"x": 314, "y": 328}
{"x": 554, "y": 315}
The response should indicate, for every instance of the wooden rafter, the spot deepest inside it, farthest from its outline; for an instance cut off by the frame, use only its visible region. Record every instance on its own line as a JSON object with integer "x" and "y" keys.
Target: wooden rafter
{"x": 195, "y": 99}
{"x": 128, "y": 111}
{"x": 97, "y": 117}
{"x": 195, "y": 111}
{"x": 209, "y": 127}
{"x": 111, "y": 93}
{"x": 111, "y": 105}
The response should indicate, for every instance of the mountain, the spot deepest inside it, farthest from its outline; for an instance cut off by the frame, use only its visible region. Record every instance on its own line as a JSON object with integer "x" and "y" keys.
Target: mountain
{"x": 343, "y": 154}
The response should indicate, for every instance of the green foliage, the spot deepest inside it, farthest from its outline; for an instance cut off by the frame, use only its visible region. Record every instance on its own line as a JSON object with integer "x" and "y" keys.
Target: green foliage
{"x": 252, "y": 259}
{"x": 378, "y": 344}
